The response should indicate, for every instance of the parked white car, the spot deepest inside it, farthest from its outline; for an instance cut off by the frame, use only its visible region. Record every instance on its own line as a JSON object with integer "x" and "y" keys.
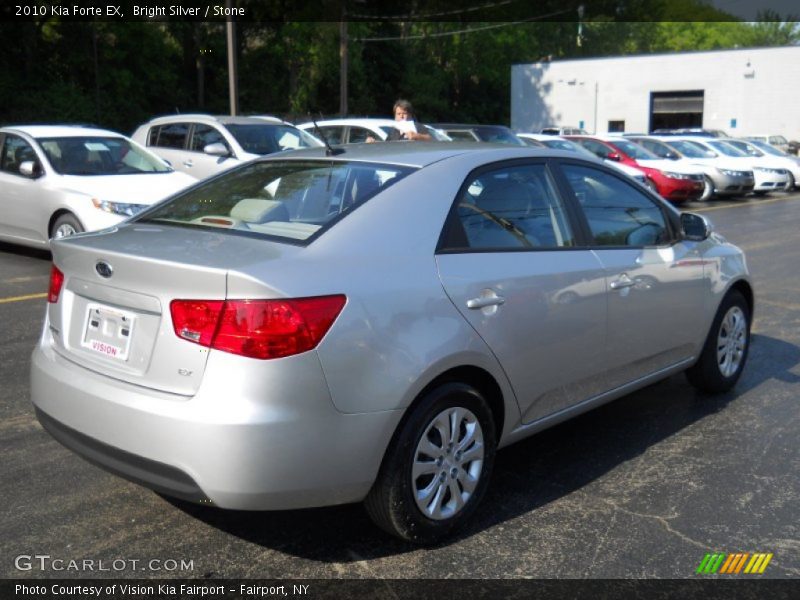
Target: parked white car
{"x": 775, "y": 156}
{"x": 769, "y": 175}
{"x": 60, "y": 180}
{"x": 356, "y": 131}
{"x": 204, "y": 145}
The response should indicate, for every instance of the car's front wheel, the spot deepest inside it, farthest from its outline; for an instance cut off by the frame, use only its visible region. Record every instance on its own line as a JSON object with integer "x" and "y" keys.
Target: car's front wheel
{"x": 437, "y": 467}
{"x": 725, "y": 351}
{"x": 708, "y": 189}
{"x": 65, "y": 225}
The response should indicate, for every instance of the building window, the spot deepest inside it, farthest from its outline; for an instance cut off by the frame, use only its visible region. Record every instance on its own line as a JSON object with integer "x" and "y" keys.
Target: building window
{"x": 616, "y": 126}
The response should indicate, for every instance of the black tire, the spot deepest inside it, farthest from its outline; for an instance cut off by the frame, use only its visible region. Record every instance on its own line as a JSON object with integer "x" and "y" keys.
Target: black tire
{"x": 392, "y": 504}
{"x": 708, "y": 189}
{"x": 791, "y": 184}
{"x": 711, "y": 373}
{"x": 67, "y": 224}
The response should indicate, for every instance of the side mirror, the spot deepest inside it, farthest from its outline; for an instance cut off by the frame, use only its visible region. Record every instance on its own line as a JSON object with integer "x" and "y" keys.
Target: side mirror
{"x": 671, "y": 155}
{"x": 30, "y": 168}
{"x": 613, "y": 156}
{"x": 694, "y": 227}
{"x": 216, "y": 149}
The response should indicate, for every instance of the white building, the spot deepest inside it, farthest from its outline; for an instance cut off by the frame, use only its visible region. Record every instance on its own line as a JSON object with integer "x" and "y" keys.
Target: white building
{"x": 744, "y": 92}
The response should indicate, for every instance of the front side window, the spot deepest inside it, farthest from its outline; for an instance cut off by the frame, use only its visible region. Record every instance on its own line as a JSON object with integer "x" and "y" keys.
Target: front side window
{"x": 331, "y": 134}
{"x": 15, "y": 152}
{"x": 285, "y": 200}
{"x": 204, "y": 135}
{"x": 359, "y": 135}
{"x": 267, "y": 138}
{"x": 172, "y": 135}
{"x": 634, "y": 150}
{"x": 514, "y": 207}
{"x": 617, "y": 213}
{"x": 596, "y": 148}
{"x": 99, "y": 156}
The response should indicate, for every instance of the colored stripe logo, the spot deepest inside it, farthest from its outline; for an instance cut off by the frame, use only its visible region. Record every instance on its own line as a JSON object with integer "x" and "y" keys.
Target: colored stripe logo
{"x": 734, "y": 564}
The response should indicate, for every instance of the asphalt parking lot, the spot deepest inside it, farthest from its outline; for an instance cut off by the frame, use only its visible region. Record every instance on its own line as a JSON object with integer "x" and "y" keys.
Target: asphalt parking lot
{"x": 642, "y": 487}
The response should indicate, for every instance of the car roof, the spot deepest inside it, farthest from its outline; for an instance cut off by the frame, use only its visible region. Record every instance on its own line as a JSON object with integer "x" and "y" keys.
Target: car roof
{"x": 542, "y": 136}
{"x": 354, "y": 121}
{"x": 38, "y": 131}
{"x": 468, "y": 126}
{"x": 419, "y": 154}
{"x": 223, "y": 119}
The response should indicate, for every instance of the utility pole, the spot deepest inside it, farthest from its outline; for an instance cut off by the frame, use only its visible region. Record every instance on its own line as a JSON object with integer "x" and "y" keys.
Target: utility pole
{"x": 343, "y": 65}
{"x": 233, "y": 79}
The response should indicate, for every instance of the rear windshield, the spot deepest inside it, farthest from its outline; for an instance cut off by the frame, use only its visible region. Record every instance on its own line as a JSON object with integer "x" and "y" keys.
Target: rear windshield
{"x": 291, "y": 201}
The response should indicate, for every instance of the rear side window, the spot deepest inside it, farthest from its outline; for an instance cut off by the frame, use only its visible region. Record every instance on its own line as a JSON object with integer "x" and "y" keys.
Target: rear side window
{"x": 291, "y": 201}
{"x": 617, "y": 213}
{"x": 170, "y": 136}
{"x": 513, "y": 207}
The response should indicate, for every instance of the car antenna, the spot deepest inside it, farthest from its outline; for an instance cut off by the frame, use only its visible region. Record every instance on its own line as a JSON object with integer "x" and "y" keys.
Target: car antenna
{"x": 329, "y": 151}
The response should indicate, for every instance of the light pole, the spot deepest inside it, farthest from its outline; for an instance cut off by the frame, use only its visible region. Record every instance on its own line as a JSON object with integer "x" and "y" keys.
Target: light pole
{"x": 233, "y": 79}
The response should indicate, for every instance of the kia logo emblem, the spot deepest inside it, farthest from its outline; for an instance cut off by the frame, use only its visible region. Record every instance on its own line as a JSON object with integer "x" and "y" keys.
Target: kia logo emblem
{"x": 103, "y": 269}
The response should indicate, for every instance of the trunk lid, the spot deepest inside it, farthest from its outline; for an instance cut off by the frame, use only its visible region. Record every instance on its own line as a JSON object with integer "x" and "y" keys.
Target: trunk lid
{"x": 120, "y": 325}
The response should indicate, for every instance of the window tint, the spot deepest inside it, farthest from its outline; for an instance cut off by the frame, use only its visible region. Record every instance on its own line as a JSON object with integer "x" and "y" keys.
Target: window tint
{"x": 359, "y": 134}
{"x": 267, "y": 138}
{"x": 288, "y": 200}
{"x": 618, "y": 214}
{"x": 596, "y": 148}
{"x": 332, "y": 134}
{"x": 15, "y": 152}
{"x": 512, "y": 207}
{"x": 204, "y": 135}
{"x": 99, "y": 156}
{"x": 172, "y": 135}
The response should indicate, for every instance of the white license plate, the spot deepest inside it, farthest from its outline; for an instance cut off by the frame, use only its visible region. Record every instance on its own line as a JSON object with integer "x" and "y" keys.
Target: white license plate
{"x": 108, "y": 331}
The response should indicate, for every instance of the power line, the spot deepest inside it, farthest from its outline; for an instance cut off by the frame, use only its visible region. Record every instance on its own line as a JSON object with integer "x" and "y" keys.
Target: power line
{"x": 417, "y": 17}
{"x": 470, "y": 30}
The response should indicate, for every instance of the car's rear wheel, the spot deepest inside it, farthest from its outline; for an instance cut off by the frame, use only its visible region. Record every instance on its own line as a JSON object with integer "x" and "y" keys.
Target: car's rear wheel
{"x": 437, "y": 467}
{"x": 725, "y": 351}
{"x": 65, "y": 225}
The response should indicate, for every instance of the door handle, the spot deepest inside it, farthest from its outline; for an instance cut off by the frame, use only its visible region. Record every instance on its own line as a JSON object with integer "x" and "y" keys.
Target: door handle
{"x": 484, "y": 301}
{"x": 187, "y": 163}
{"x": 622, "y": 282}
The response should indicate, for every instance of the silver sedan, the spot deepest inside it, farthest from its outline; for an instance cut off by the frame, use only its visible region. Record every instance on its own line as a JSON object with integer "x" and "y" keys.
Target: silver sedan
{"x": 373, "y": 323}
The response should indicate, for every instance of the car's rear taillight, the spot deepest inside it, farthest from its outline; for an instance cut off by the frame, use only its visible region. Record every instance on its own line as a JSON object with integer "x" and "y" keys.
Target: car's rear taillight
{"x": 257, "y": 328}
{"x": 56, "y": 281}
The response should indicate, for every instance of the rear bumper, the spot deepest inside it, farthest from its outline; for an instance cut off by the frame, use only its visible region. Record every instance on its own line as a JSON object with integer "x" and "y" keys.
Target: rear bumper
{"x": 272, "y": 440}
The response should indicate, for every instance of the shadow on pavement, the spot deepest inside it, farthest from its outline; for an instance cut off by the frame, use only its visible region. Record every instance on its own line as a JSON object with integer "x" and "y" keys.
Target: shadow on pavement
{"x": 527, "y": 475}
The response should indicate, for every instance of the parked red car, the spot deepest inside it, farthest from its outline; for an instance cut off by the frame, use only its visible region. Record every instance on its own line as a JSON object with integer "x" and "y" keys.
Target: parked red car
{"x": 676, "y": 183}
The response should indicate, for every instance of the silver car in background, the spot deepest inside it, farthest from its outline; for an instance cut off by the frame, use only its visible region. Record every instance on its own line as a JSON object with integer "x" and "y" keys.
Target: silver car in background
{"x": 373, "y": 323}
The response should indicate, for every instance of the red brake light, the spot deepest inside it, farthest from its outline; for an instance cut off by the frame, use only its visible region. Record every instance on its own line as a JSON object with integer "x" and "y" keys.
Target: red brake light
{"x": 257, "y": 328}
{"x": 56, "y": 281}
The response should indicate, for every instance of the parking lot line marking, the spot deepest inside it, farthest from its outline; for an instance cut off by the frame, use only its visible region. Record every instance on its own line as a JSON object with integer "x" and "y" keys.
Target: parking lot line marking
{"x": 786, "y": 305}
{"x": 21, "y": 298}
{"x": 760, "y": 203}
